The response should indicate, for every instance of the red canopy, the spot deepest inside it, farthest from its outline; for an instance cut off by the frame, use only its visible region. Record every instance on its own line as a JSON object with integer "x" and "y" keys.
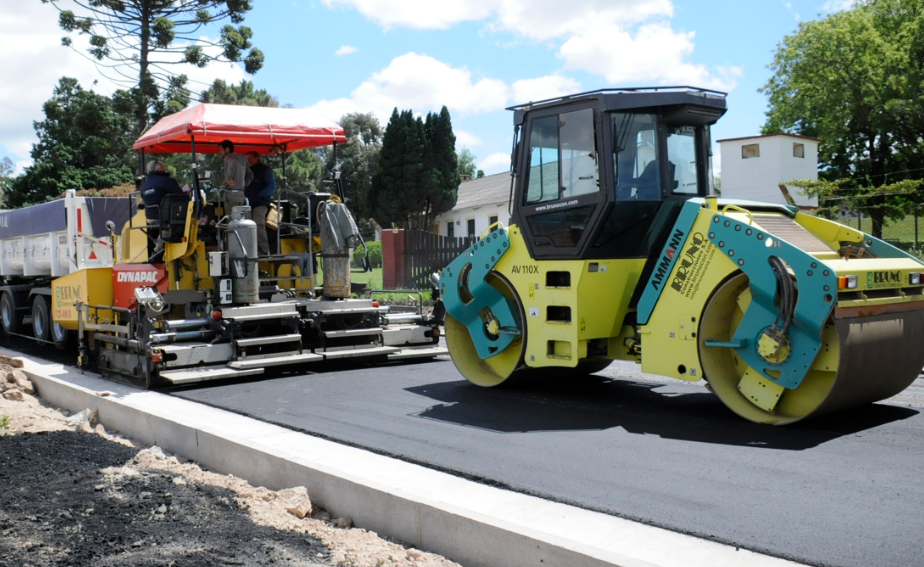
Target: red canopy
{"x": 251, "y": 128}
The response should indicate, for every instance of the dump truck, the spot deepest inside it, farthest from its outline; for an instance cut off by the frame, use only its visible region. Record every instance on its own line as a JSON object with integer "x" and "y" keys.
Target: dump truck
{"x": 179, "y": 294}
{"x": 618, "y": 249}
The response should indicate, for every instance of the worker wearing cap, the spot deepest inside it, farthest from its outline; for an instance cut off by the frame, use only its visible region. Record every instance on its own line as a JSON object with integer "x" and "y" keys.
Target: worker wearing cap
{"x": 237, "y": 177}
{"x": 260, "y": 194}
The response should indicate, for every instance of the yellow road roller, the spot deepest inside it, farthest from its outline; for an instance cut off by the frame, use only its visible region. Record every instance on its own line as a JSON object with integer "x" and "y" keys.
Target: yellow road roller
{"x": 617, "y": 249}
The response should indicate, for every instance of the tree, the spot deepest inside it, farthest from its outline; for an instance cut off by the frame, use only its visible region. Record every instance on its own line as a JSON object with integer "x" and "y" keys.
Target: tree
{"x": 222, "y": 93}
{"x": 854, "y": 80}
{"x": 467, "y": 163}
{"x": 139, "y": 40}
{"x": 396, "y": 187}
{"x": 418, "y": 175}
{"x": 83, "y": 143}
{"x": 358, "y": 160}
{"x": 441, "y": 182}
{"x": 6, "y": 178}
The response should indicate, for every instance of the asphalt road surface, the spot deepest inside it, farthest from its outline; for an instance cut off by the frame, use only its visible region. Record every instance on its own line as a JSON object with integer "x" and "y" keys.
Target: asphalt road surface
{"x": 842, "y": 490}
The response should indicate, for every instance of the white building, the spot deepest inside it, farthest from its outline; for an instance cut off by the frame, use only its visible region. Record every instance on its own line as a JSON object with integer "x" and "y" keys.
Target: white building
{"x": 754, "y": 167}
{"x": 481, "y": 203}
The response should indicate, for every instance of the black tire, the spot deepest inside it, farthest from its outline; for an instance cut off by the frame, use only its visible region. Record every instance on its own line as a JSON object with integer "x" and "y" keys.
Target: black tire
{"x": 41, "y": 318}
{"x": 60, "y": 336}
{"x": 10, "y": 320}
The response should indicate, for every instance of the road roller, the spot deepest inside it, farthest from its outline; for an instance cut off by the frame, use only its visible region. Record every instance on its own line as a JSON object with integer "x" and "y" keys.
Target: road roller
{"x": 618, "y": 249}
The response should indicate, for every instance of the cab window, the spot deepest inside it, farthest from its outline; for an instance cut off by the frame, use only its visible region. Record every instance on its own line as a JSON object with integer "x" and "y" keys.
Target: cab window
{"x": 562, "y": 157}
{"x": 637, "y": 170}
{"x": 681, "y": 155}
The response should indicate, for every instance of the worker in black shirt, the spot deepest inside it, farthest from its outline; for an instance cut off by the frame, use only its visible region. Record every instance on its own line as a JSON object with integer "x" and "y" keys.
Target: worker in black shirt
{"x": 155, "y": 187}
{"x": 260, "y": 194}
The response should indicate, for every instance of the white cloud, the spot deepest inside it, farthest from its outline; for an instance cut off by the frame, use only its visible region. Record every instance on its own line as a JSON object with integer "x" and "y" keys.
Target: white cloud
{"x": 346, "y": 50}
{"x": 418, "y": 14}
{"x": 542, "y": 88}
{"x": 466, "y": 139}
{"x": 495, "y": 163}
{"x": 658, "y": 55}
{"x": 596, "y": 34}
{"x": 35, "y": 60}
{"x": 838, "y": 5}
{"x": 535, "y": 19}
{"x": 422, "y": 83}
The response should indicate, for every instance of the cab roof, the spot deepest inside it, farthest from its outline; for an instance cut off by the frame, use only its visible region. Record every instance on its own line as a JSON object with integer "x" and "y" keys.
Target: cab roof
{"x": 706, "y": 100}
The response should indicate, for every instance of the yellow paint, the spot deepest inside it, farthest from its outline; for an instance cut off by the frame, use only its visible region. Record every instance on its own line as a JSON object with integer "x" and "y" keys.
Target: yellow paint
{"x": 134, "y": 242}
{"x": 669, "y": 345}
{"x": 759, "y": 391}
{"x": 599, "y": 302}
{"x": 91, "y": 286}
{"x": 771, "y": 349}
{"x": 829, "y": 232}
{"x": 290, "y": 246}
{"x": 177, "y": 250}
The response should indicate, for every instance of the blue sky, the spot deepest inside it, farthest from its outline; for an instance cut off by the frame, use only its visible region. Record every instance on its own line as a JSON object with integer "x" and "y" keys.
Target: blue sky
{"x": 475, "y": 56}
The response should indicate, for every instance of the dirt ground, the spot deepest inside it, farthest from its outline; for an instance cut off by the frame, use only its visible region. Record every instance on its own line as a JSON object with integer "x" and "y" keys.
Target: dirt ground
{"x": 73, "y": 494}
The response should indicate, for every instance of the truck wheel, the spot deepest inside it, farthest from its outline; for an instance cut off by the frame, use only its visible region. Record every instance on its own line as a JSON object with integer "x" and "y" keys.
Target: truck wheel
{"x": 9, "y": 319}
{"x": 61, "y": 336}
{"x": 41, "y": 322}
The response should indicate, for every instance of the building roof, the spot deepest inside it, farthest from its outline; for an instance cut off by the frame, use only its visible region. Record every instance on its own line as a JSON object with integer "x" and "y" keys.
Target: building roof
{"x": 489, "y": 190}
{"x": 769, "y": 136}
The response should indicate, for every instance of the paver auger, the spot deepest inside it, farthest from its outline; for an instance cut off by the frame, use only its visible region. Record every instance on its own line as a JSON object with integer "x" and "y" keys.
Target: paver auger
{"x": 617, "y": 250}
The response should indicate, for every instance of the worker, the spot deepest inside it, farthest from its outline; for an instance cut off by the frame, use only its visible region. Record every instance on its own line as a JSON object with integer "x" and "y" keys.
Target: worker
{"x": 237, "y": 177}
{"x": 157, "y": 185}
{"x": 260, "y": 194}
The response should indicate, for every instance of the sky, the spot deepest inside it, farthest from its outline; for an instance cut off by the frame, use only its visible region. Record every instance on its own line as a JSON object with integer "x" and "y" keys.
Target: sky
{"x": 474, "y": 56}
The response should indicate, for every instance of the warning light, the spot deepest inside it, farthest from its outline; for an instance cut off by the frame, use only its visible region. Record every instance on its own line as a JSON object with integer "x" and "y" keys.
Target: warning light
{"x": 375, "y": 303}
{"x": 157, "y": 356}
{"x": 216, "y": 315}
{"x": 847, "y": 282}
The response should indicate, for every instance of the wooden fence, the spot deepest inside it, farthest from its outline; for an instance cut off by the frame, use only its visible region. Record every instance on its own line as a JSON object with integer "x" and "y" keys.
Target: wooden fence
{"x": 425, "y": 253}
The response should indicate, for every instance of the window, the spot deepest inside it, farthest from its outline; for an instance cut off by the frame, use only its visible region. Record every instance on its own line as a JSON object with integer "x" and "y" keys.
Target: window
{"x": 681, "y": 155}
{"x": 492, "y": 219}
{"x": 562, "y": 157}
{"x": 750, "y": 151}
{"x": 471, "y": 228}
{"x": 543, "y": 161}
{"x": 798, "y": 150}
{"x": 635, "y": 161}
{"x": 450, "y": 229}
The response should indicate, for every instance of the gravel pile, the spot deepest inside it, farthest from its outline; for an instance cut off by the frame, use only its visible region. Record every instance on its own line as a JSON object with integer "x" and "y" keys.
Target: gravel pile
{"x": 75, "y": 495}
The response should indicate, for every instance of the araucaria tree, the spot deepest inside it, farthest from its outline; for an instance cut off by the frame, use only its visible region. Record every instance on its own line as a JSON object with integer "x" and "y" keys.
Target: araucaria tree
{"x": 855, "y": 79}
{"x": 418, "y": 175}
{"x": 139, "y": 41}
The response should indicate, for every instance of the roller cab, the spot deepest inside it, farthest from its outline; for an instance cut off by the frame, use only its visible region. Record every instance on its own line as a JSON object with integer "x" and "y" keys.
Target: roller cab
{"x": 617, "y": 250}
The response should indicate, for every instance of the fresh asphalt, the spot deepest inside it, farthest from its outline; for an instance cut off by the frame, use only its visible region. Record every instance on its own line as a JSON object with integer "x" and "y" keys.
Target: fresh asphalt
{"x": 845, "y": 490}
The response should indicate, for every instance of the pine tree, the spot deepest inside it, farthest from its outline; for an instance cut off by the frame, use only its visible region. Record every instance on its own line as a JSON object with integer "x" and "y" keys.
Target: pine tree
{"x": 418, "y": 174}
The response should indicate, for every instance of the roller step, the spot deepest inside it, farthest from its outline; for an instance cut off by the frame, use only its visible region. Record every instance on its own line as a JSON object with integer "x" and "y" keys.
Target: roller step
{"x": 349, "y": 352}
{"x": 261, "y": 363}
{"x": 268, "y": 340}
{"x": 418, "y": 352}
{"x": 178, "y": 377}
{"x": 353, "y": 332}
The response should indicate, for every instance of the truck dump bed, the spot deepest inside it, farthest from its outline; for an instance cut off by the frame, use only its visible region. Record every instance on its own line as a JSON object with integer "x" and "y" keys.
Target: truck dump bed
{"x": 60, "y": 237}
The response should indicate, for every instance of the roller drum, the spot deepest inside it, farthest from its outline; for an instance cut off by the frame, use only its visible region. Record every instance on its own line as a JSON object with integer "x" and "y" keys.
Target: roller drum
{"x": 862, "y": 360}
{"x": 880, "y": 356}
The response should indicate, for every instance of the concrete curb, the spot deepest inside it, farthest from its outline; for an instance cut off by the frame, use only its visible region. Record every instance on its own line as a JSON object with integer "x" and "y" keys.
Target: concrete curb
{"x": 470, "y": 523}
